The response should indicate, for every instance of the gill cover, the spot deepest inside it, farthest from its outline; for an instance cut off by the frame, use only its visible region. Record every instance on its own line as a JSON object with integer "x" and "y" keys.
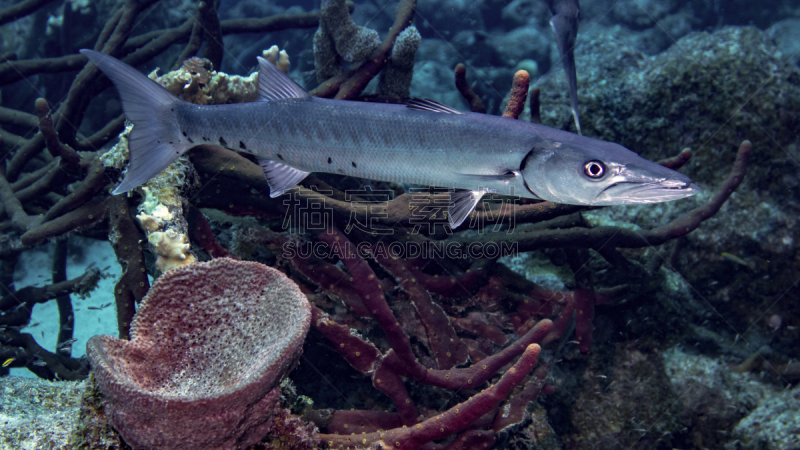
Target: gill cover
{"x": 586, "y": 171}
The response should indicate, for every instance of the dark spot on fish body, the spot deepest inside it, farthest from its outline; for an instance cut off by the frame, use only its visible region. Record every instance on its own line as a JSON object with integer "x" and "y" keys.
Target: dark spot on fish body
{"x": 189, "y": 139}
{"x": 205, "y": 139}
{"x": 353, "y": 163}
{"x": 329, "y": 160}
{"x": 280, "y": 157}
{"x": 242, "y": 146}
{"x": 222, "y": 142}
{"x": 184, "y": 134}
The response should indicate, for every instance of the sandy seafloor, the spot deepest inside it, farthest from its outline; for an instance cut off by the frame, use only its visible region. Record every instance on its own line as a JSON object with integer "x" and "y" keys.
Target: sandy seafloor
{"x": 33, "y": 269}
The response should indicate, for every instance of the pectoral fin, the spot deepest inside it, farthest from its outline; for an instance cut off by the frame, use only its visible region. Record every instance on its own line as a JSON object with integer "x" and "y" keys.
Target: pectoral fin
{"x": 503, "y": 177}
{"x": 280, "y": 177}
{"x": 461, "y": 204}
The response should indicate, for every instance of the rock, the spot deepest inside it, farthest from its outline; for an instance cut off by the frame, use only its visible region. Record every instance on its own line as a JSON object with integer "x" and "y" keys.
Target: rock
{"x": 524, "y": 43}
{"x": 523, "y": 12}
{"x": 786, "y": 34}
{"x": 37, "y": 414}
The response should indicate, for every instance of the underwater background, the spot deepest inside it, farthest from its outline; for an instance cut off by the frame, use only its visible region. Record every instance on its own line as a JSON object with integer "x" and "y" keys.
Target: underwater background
{"x": 670, "y": 325}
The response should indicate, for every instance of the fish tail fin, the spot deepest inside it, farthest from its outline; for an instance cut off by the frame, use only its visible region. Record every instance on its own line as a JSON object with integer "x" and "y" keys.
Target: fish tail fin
{"x": 155, "y": 140}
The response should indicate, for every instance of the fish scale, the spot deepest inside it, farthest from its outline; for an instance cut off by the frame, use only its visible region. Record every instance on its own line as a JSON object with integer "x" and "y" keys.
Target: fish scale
{"x": 386, "y": 142}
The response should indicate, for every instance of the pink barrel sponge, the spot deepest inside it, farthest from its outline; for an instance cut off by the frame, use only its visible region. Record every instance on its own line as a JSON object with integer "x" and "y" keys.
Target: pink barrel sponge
{"x": 209, "y": 346}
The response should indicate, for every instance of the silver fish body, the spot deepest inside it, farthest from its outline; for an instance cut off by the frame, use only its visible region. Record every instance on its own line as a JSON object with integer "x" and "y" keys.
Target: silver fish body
{"x": 371, "y": 140}
{"x": 293, "y": 134}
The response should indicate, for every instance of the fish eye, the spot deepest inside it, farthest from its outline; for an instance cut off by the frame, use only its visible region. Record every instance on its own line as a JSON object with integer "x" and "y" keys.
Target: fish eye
{"x": 594, "y": 169}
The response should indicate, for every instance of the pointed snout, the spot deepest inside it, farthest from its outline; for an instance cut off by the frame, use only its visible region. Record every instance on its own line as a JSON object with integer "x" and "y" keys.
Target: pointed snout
{"x": 650, "y": 184}
{"x": 665, "y": 191}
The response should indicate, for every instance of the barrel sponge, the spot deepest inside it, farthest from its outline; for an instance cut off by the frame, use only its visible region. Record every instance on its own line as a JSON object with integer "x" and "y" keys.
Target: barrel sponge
{"x": 209, "y": 346}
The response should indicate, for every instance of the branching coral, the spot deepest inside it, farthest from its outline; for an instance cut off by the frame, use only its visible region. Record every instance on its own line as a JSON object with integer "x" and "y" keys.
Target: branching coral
{"x": 385, "y": 369}
{"x": 438, "y": 339}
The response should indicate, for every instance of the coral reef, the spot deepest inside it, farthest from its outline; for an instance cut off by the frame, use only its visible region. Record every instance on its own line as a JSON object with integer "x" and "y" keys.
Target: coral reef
{"x": 386, "y": 369}
{"x": 350, "y": 84}
{"x": 708, "y": 88}
{"x": 38, "y": 413}
{"x": 351, "y": 42}
{"x": 773, "y": 424}
{"x": 562, "y": 333}
{"x": 395, "y": 80}
{"x": 209, "y": 346}
{"x": 717, "y": 399}
{"x": 92, "y": 428}
{"x": 659, "y": 93}
{"x": 622, "y": 402}
{"x": 278, "y": 57}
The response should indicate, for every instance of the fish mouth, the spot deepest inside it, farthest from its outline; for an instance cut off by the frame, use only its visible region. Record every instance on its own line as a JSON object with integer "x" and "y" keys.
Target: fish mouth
{"x": 652, "y": 192}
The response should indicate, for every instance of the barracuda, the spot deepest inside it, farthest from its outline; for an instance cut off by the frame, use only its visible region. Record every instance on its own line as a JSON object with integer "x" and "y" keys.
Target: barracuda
{"x": 293, "y": 134}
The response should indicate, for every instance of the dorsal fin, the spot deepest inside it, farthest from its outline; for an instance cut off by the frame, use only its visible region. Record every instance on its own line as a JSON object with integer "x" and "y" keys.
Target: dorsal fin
{"x": 422, "y": 104}
{"x": 276, "y": 85}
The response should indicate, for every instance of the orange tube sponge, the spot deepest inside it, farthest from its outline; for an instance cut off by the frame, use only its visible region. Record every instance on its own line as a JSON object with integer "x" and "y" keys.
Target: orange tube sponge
{"x": 210, "y": 345}
{"x": 519, "y": 92}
